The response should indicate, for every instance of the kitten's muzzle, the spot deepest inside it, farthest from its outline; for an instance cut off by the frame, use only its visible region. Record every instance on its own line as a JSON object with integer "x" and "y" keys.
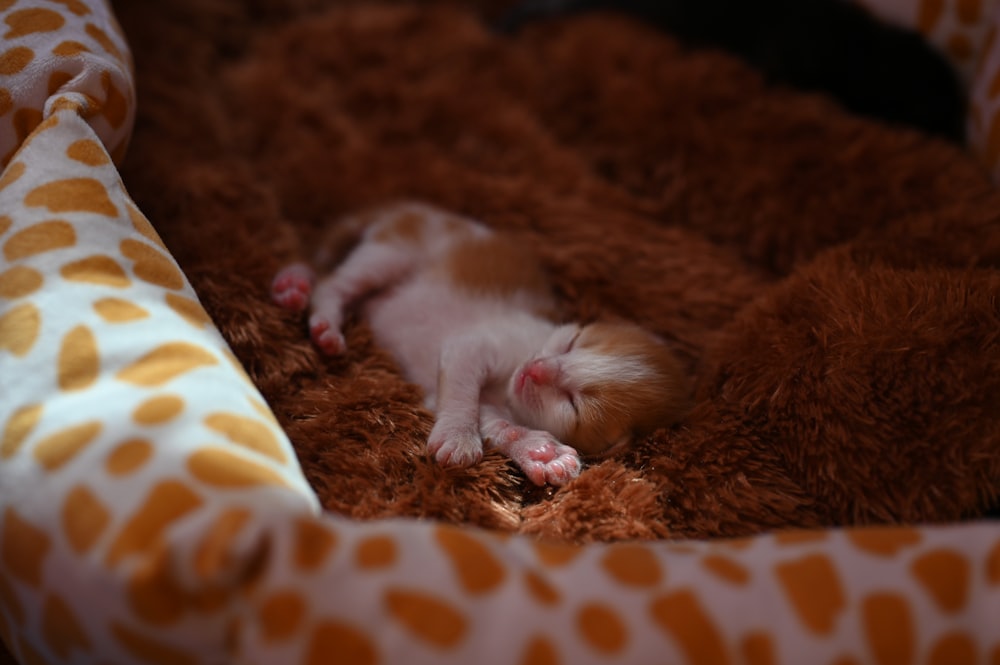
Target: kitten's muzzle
{"x": 538, "y": 372}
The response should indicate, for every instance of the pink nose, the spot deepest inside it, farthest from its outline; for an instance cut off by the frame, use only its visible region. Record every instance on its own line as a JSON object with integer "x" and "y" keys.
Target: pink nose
{"x": 538, "y": 372}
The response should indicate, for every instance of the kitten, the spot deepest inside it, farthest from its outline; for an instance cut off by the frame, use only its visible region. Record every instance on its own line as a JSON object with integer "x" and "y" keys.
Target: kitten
{"x": 468, "y": 314}
{"x": 874, "y": 69}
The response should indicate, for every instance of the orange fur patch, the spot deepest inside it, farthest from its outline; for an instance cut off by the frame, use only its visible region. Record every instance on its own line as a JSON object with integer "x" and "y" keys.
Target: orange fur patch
{"x": 628, "y": 403}
{"x": 408, "y": 227}
{"x": 496, "y": 265}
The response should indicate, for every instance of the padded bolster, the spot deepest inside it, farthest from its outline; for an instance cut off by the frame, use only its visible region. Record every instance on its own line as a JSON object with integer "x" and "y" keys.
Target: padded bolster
{"x": 415, "y": 593}
{"x": 132, "y": 440}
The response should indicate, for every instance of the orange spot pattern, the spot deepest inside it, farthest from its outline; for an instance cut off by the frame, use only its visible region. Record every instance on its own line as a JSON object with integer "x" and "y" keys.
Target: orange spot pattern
{"x": 44, "y": 237}
{"x": 953, "y": 649}
{"x": 313, "y": 545}
{"x": 167, "y": 502}
{"x": 426, "y": 617}
{"x": 28, "y": 21}
{"x": 117, "y": 310}
{"x": 14, "y": 60}
{"x": 476, "y": 567}
{"x": 128, "y": 457}
{"x": 884, "y": 541}
{"x": 555, "y": 554}
{"x": 23, "y": 548}
{"x": 56, "y": 450}
{"x": 221, "y": 469}
{"x": 813, "y": 588}
{"x": 22, "y": 422}
{"x": 72, "y": 195}
{"x": 20, "y": 281}
{"x": 281, "y": 615}
{"x": 602, "y": 628}
{"x": 540, "y": 652}
{"x": 165, "y": 363}
{"x": 19, "y": 329}
{"x": 758, "y": 649}
{"x": 84, "y": 518}
{"x": 216, "y": 553}
{"x": 993, "y": 565}
{"x": 682, "y": 617}
{"x": 888, "y": 628}
{"x": 350, "y": 644}
{"x": 540, "y": 589}
{"x": 79, "y": 362}
{"x": 99, "y": 270}
{"x": 61, "y": 629}
{"x": 633, "y": 565}
{"x": 375, "y": 552}
{"x": 945, "y": 575}
{"x": 190, "y": 310}
{"x": 158, "y": 410}
{"x": 727, "y": 569}
{"x": 248, "y": 433}
{"x": 152, "y": 266}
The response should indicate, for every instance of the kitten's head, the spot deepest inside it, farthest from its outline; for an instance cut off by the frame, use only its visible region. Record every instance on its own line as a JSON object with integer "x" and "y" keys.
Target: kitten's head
{"x": 595, "y": 387}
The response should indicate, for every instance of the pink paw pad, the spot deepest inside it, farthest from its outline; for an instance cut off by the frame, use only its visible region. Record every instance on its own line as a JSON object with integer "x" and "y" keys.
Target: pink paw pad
{"x": 546, "y": 461}
{"x": 327, "y": 338}
{"x": 292, "y": 287}
{"x": 557, "y": 471}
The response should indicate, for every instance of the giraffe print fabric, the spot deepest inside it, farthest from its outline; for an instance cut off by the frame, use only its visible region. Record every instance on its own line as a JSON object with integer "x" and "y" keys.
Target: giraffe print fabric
{"x": 965, "y": 32}
{"x": 152, "y": 511}
{"x": 416, "y": 593}
{"x": 58, "y": 53}
{"x": 123, "y": 412}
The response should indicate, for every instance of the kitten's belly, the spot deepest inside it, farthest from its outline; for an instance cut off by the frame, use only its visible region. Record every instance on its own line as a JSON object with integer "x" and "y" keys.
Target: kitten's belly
{"x": 415, "y": 321}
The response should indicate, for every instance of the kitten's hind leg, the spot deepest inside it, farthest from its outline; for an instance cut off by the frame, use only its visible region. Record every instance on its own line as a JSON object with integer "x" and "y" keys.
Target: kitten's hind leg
{"x": 370, "y": 267}
{"x": 292, "y": 287}
{"x": 542, "y": 458}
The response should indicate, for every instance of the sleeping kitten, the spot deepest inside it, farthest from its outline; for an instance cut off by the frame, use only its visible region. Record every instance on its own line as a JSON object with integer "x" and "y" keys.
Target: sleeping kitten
{"x": 467, "y": 313}
{"x": 834, "y": 46}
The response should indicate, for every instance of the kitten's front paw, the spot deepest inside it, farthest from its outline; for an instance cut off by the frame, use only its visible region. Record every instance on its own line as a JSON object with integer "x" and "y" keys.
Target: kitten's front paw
{"x": 326, "y": 336}
{"x": 455, "y": 446}
{"x": 292, "y": 287}
{"x": 544, "y": 460}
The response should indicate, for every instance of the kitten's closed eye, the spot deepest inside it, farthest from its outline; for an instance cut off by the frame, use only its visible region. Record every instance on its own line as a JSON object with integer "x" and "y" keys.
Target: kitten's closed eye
{"x": 572, "y": 399}
{"x": 595, "y": 386}
{"x": 572, "y": 341}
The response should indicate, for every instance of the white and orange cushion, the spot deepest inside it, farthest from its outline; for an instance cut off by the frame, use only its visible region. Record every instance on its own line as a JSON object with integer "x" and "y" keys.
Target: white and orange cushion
{"x": 418, "y": 593}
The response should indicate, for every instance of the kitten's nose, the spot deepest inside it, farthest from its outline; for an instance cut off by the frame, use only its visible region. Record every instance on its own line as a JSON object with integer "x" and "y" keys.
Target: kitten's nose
{"x": 539, "y": 372}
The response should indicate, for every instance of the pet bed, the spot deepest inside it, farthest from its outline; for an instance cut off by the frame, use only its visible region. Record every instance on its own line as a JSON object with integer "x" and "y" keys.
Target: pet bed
{"x": 184, "y": 479}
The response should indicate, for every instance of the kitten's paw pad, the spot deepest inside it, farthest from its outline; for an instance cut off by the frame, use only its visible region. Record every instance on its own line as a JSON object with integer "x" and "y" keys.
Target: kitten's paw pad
{"x": 556, "y": 473}
{"x": 327, "y": 338}
{"x": 546, "y": 461}
{"x": 455, "y": 447}
{"x": 292, "y": 287}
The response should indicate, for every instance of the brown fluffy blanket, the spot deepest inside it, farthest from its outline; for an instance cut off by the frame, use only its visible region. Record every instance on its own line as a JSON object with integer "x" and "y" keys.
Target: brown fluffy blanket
{"x": 830, "y": 283}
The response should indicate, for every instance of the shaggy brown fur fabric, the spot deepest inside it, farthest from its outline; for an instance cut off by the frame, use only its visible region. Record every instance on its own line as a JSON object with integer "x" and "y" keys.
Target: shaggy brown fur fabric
{"x": 830, "y": 283}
